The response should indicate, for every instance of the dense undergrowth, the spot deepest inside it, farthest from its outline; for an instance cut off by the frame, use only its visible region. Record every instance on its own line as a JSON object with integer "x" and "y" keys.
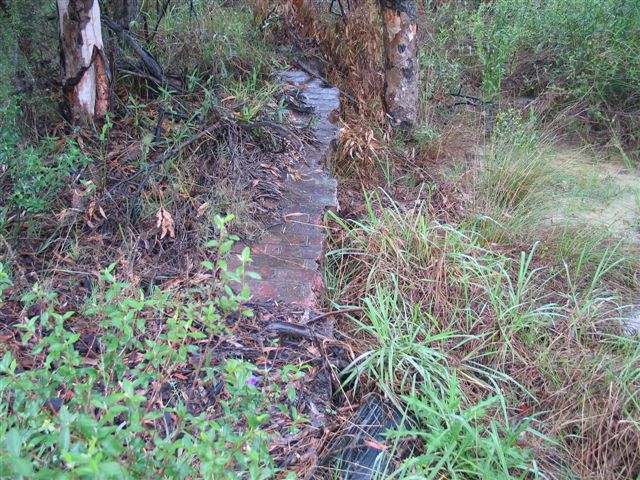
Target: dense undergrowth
{"x": 570, "y": 62}
{"x": 168, "y": 158}
{"x": 492, "y": 318}
{"x": 480, "y": 287}
{"x": 541, "y": 339}
{"x": 115, "y": 293}
{"x": 560, "y": 56}
{"x": 87, "y": 405}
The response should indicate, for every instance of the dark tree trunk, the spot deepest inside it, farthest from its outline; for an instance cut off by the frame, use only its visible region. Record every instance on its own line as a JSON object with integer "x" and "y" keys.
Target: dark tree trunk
{"x": 86, "y": 73}
{"x": 401, "y": 64}
{"x": 123, "y": 11}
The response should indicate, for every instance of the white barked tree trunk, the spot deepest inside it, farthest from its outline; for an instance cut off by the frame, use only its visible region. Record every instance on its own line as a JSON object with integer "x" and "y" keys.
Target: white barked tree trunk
{"x": 86, "y": 73}
{"x": 399, "y": 19}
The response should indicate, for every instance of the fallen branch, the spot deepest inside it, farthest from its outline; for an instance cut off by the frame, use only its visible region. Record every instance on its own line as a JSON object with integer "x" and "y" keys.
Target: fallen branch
{"x": 469, "y": 99}
{"x": 170, "y": 153}
{"x": 158, "y": 130}
{"x": 175, "y": 150}
{"x": 154, "y": 70}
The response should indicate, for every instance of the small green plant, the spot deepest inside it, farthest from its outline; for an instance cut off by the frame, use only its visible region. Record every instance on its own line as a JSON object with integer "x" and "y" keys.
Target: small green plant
{"x": 459, "y": 440}
{"x": 123, "y": 409}
{"x": 37, "y": 171}
{"x": 5, "y": 280}
{"x": 253, "y": 96}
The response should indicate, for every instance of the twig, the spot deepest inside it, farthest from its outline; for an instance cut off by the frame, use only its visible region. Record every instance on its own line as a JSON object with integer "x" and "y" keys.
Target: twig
{"x": 158, "y": 131}
{"x": 334, "y": 312}
{"x": 165, "y": 5}
{"x": 168, "y": 154}
{"x": 150, "y": 63}
{"x": 470, "y": 100}
{"x": 128, "y": 70}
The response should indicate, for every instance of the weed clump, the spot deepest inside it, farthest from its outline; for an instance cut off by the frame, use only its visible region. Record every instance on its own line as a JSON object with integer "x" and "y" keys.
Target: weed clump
{"x": 140, "y": 395}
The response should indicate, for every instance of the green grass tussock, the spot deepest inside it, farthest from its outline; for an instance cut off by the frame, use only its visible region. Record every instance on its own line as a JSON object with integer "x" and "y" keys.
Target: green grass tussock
{"x": 515, "y": 183}
{"x": 439, "y": 305}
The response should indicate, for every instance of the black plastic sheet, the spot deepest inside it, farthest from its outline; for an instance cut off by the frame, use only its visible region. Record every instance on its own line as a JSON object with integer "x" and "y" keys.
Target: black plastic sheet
{"x": 362, "y": 451}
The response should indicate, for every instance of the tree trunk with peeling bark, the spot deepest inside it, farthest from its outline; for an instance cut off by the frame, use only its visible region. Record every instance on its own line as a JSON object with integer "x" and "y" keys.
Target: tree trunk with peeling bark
{"x": 401, "y": 64}
{"x": 86, "y": 73}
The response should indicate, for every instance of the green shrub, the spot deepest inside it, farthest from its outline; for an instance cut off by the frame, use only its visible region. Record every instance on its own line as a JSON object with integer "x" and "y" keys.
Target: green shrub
{"x": 572, "y": 52}
{"x": 36, "y": 171}
{"x": 102, "y": 415}
{"x": 584, "y": 48}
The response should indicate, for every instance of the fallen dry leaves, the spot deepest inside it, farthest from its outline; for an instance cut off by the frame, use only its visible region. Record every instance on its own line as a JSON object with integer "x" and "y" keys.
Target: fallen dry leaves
{"x": 165, "y": 223}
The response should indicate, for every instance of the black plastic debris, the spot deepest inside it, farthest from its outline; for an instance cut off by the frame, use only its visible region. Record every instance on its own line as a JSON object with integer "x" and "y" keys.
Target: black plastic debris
{"x": 53, "y": 404}
{"x": 362, "y": 451}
